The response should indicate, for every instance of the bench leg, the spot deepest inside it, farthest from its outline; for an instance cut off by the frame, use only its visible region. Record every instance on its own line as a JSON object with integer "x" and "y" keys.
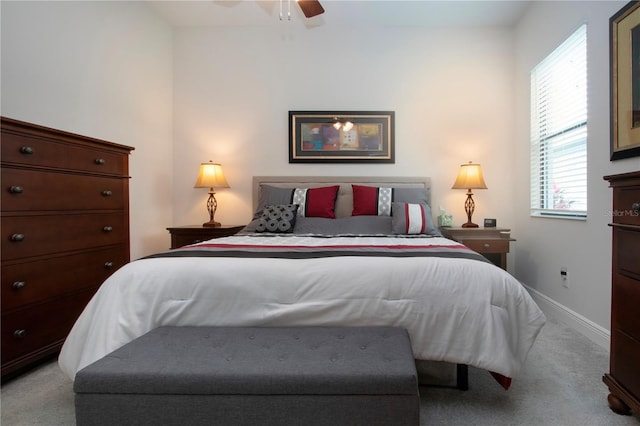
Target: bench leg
{"x": 462, "y": 377}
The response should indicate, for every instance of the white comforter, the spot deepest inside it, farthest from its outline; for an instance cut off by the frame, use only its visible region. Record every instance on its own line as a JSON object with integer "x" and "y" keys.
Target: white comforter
{"x": 456, "y": 310}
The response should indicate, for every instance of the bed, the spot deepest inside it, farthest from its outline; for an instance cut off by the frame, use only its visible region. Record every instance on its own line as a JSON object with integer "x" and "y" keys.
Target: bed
{"x": 330, "y": 251}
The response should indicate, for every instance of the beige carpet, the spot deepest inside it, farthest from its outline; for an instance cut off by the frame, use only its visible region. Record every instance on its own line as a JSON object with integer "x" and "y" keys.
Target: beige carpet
{"x": 561, "y": 384}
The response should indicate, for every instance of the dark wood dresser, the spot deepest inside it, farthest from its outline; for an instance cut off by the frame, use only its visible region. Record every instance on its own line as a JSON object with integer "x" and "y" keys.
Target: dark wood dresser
{"x": 64, "y": 230}
{"x": 624, "y": 375}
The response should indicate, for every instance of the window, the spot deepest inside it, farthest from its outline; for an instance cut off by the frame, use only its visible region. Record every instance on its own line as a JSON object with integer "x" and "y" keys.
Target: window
{"x": 559, "y": 131}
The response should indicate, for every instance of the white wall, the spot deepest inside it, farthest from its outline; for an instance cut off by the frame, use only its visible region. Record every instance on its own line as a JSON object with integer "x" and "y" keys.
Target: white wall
{"x": 100, "y": 69}
{"x": 113, "y": 70}
{"x": 451, "y": 89}
{"x": 584, "y": 247}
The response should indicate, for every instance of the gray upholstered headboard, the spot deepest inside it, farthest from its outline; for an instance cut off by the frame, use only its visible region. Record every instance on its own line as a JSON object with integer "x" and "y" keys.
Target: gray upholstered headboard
{"x": 344, "y": 203}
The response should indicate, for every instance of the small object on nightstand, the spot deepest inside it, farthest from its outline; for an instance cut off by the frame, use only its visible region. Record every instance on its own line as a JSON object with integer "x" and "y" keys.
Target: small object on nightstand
{"x": 444, "y": 219}
{"x": 186, "y": 235}
{"x": 490, "y": 223}
{"x": 492, "y": 243}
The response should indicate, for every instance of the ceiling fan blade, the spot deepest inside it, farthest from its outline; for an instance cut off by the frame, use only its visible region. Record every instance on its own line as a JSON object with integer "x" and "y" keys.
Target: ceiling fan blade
{"x": 311, "y": 8}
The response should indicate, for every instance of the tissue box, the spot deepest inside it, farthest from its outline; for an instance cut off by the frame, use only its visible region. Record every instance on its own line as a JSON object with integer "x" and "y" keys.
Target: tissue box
{"x": 445, "y": 220}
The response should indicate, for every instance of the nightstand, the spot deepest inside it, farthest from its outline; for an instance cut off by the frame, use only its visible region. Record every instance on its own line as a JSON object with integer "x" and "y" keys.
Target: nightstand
{"x": 492, "y": 243}
{"x": 185, "y": 235}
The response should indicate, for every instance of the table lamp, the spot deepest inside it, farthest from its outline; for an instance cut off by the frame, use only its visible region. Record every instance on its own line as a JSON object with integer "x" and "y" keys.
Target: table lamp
{"x": 211, "y": 176}
{"x": 469, "y": 177}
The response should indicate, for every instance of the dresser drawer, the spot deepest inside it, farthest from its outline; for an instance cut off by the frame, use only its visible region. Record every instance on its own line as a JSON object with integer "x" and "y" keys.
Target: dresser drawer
{"x": 27, "y": 236}
{"x": 626, "y": 205}
{"x": 42, "y": 152}
{"x": 626, "y": 250}
{"x": 39, "y": 326}
{"x": 625, "y": 296}
{"x": 625, "y": 353}
{"x": 30, "y": 282}
{"x": 488, "y": 245}
{"x": 27, "y": 190}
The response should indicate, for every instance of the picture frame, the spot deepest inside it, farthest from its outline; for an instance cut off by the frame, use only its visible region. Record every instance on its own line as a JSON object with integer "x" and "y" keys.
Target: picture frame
{"x": 341, "y": 137}
{"x": 624, "y": 35}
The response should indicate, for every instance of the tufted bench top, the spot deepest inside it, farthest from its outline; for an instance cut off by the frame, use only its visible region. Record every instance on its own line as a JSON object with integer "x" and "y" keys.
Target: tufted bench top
{"x": 257, "y": 361}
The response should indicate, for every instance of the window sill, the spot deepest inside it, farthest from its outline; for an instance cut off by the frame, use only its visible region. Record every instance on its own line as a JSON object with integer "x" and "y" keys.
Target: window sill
{"x": 569, "y": 216}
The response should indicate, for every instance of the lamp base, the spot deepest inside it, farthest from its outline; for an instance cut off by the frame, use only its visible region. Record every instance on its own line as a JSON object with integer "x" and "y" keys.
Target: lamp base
{"x": 214, "y": 224}
{"x": 469, "y": 207}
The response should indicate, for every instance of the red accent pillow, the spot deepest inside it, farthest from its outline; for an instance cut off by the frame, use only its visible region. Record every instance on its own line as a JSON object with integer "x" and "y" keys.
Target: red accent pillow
{"x": 317, "y": 202}
{"x": 365, "y": 200}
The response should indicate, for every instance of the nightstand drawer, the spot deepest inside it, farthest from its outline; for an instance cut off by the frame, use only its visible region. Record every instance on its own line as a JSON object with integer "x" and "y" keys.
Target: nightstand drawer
{"x": 488, "y": 245}
{"x": 186, "y": 235}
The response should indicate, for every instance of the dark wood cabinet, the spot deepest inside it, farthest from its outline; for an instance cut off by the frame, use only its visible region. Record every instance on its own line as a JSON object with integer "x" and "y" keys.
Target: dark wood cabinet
{"x": 185, "y": 235}
{"x": 64, "y": 230}
{"x": 623, "y": 378}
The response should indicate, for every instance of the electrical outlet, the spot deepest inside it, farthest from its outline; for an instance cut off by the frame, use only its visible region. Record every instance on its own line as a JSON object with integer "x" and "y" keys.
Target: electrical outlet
{"x": 565, "y": 277}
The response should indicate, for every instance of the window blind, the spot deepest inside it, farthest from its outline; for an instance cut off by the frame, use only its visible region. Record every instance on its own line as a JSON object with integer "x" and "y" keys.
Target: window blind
{"x": 559, "y": 130}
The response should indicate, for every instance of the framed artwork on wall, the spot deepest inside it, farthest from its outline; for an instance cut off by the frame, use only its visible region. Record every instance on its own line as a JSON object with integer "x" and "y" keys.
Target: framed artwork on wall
{"x": 341, "y": 137}
{"x": 624, "y": 36}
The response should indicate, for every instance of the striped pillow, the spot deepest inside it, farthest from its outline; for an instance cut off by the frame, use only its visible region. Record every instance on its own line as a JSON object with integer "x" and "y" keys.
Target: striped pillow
{"x": 408, "y": 219}
{"x": 313, "y": 202}
{"x": 316, "y": 202}
{"x": 371, "y": 201}
{"x": 376, "y": 201}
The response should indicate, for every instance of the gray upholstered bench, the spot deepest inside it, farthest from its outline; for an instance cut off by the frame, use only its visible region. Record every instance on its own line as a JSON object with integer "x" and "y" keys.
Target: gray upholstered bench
{"x": 254, "y": 376}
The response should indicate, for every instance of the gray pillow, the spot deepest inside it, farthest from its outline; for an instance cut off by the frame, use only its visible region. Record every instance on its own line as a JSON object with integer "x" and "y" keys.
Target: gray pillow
{"x": 412, "y": 195}
{"x": 272, "y": 195}
{"x": 352, "y": 225}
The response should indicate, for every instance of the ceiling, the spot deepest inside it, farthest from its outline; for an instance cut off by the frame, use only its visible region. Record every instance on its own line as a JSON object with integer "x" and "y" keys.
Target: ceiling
{"x": 423, "y": 13}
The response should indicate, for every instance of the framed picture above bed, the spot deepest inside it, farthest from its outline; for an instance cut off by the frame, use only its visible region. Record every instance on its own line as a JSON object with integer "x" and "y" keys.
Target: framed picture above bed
{"x": 341, "y": 137}
{"x": 625, "y": 82}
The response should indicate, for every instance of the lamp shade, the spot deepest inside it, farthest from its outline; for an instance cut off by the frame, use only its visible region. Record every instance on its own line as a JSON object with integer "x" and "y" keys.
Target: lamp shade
{"x": 469, "y": 177}
{"x": 211, "y": 176}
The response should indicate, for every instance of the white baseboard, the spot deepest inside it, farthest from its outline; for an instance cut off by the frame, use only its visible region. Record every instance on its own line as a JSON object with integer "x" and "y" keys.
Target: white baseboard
{"x": 598, "y": 334}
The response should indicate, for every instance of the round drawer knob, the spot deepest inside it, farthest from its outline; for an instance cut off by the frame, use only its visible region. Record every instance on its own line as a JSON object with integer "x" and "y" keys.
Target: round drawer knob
{"x": 107, "y": 228}
{"x": 107, "y": 193}
{"x": 635, "y": 207}
{"x": 100, "y": 161}
{"x": 487, "y": 245}
{"x": 108, "y": 265}
{"x": 19, "y": 284}
{"x": 20, "y": 333}
{"x": 15, "y": 189}
{"x": 17, "y": 237}
{"x": 26, "y": 150}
